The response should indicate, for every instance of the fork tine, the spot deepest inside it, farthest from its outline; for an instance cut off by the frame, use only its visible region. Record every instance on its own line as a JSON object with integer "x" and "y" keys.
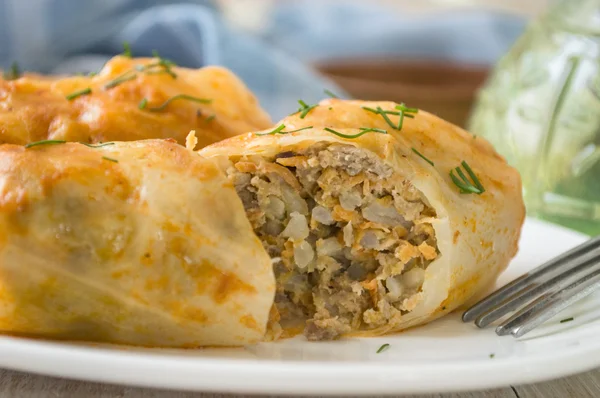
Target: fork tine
{"x": 523, "y": 281}
{"x": 555, "y": 283}
{"x": 550, "y": 304}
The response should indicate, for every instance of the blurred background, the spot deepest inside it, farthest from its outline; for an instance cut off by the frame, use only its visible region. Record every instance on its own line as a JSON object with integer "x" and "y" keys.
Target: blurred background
{"x": 525, "y": 74}
{"x": 433, "y": 54}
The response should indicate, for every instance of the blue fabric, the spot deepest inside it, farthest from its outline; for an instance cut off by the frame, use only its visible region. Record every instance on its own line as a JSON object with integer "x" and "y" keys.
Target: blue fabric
{"x": 328, "y": 30}
{"x": 70, "y": 36}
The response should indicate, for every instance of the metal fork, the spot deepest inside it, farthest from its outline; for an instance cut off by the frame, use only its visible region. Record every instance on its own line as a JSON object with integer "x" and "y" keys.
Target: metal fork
{"x": 542, "y": 292}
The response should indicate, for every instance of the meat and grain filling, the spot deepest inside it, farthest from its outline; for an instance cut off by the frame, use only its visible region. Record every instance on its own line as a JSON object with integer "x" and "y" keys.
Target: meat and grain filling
{"x": 349, "y": 240}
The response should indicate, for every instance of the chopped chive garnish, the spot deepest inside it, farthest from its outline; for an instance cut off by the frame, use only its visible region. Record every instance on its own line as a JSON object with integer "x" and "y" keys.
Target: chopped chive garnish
{"x": 168, "y": 71}
{"x": 386, "y": 118}
{"x": 294, "y": 131}
{"x": 403, "y": 111}
{"x": 402, "y": 107}
{"x": 210, "y": 118}
{"x": 383, "y": 113}
{"x": 97, "y": 145}
{"x": 422, "y": 156}
{"x": 14, "y": 70}
{"x": 379, "y": 110}
{"x": 366, "y": 108}
{"x": 372, "y": 129}
{"x": 473, "y": 176}
{"x": 92, "y": 74}
{"x": 13, "y": 73}
{"x": 110, "y": 159}
{"x": 366, "y": 130}
{"x": 461, "y": 174}
{"x": 383, "y": 348}
{"x": 566, "y": 320}
{"x": 143, "y": 103}
{"x": 277, "y": 130}
{"x": 304, "y": 109}
{"x": 463, "y": 182}
{"x": 329, "y": 93}
{"x": 44, "y": 142}
{"x": 78, "y": 93}
{"x": 125, "y": 77}
{"x": 168, "y": 62}
{"x": 492, "y": 355}
{"x": 176, "y": 97}
{"x": 164, "y": 63}
{"x": 126, "y": 49}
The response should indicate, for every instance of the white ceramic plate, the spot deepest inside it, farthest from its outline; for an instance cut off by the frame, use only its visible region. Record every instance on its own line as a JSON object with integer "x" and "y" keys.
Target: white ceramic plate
{"x": 445, "y": 355}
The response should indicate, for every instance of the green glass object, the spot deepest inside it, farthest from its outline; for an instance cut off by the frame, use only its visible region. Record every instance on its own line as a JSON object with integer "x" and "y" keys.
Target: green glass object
{"x": 541, "y": 110}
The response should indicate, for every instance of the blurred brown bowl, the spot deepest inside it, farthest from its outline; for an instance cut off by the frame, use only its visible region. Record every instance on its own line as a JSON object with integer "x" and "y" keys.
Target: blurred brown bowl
{"x": 440, "y": 87}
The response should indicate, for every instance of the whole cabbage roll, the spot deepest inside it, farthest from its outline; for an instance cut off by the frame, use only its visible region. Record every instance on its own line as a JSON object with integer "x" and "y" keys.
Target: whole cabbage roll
{"x": 129, "y": 99}
{"x": 377, "y": 217}
{"x": 114, "y": 244}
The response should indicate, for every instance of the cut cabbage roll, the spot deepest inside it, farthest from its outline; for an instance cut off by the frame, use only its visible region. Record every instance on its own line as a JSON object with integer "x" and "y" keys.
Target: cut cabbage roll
{"x": 129, "y": 99}
{"x": 373, "y": 227}
{"x": 142, "y": 243}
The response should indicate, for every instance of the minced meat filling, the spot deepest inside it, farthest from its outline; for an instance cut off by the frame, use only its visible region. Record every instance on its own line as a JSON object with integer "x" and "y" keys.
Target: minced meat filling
{"x": 349, "y": 240}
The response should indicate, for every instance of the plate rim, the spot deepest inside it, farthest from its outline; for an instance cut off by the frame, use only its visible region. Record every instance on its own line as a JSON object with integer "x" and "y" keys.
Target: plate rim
{"x": 390, "y": 378}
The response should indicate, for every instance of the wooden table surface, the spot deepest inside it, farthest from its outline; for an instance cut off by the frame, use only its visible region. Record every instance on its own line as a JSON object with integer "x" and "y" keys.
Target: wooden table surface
{"x": 24, "y": 385}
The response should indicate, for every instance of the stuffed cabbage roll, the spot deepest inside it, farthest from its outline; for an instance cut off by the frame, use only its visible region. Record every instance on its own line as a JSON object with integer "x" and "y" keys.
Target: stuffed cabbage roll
{"x": 129, "y": 99}
{"x": 115, "y": 244}
{"x": 377, "y": 217}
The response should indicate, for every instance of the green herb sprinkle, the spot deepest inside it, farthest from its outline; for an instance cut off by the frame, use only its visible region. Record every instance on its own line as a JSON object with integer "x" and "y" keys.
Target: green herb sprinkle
{"x": 276, "y": 130}
{"x": 363, "y": 130}
{"x": 178, "y": 97}
{"x": 44, "y": 142}
{"x": 330, "y": 94}
{"x": 126, "y": 49}
{"x": 99, "y": 145}
{"x": 79, "y": 93}
{"x": 12, "y": 73}
{"x": 422, "y": 156}
{"x": 463, "y": 183}
{"x": 125, "y": 77}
